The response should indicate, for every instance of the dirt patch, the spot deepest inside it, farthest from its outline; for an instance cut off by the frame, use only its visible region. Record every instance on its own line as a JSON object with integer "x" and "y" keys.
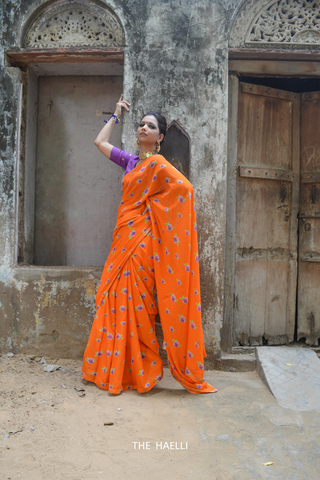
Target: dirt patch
{"x": 55, "y": 426}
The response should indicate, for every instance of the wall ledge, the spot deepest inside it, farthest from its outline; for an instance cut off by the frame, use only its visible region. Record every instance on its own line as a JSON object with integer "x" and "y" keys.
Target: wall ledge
{"x": 67, "y": 273}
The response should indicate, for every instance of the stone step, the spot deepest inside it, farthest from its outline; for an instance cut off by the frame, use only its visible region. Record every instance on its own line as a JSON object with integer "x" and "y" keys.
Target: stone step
{"x": 238, "y": 362}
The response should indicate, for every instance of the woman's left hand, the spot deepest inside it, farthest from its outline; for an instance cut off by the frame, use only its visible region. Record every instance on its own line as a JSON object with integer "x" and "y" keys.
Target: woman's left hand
{"x": 120, "y": 105}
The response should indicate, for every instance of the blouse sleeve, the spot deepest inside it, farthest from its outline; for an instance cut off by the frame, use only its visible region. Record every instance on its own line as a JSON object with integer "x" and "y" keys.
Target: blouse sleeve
{"x": 120, "y": 157}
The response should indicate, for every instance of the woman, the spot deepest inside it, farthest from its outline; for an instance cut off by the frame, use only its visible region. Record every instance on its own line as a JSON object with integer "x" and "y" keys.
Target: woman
{"x": 153, "y": 252}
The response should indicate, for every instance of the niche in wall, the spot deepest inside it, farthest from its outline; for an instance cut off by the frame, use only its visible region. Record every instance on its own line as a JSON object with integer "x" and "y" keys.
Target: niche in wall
{"x": 176, "y": 148}
{"x": 69, "y": 189}
{"x": 77, "y": 189}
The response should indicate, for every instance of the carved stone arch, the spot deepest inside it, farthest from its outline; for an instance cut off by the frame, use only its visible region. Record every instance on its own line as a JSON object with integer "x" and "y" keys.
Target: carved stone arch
{"x": 79, "y": 23}
{"x": 287, "y": 23}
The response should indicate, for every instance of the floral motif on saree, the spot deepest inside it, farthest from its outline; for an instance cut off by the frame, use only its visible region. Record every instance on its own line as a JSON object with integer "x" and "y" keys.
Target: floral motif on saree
{"x": 154, "y": 253}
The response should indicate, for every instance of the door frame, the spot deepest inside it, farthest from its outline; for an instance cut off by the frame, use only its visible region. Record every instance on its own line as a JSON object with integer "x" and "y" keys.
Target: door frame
{"x": 260, "y": 64}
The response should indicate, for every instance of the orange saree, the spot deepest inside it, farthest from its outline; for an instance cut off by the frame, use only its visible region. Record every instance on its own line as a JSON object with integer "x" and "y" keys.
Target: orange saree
{"x": 153, "y": 254}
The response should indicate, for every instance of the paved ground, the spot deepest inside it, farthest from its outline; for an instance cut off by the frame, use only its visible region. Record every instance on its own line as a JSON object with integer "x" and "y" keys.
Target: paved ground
{"x": 49, "y": 430}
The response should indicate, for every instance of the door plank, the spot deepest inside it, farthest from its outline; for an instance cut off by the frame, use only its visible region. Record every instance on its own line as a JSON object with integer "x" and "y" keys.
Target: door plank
{"x": 309, "y": 226}
{"x": 293, "y": 261}
{"x": 265, "y": 130}
{"x": 262, "y": 217}
{"x": 249, "y": 302}
{"x": 276, "y": 303}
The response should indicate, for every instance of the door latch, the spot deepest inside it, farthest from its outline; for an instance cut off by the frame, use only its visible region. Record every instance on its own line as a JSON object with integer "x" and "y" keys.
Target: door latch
{"x": 283, "y": 192}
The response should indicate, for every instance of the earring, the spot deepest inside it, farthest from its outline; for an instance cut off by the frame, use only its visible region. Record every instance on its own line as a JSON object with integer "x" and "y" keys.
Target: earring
{"x": 138, "y": 143}
{"x": 158, "y": 147}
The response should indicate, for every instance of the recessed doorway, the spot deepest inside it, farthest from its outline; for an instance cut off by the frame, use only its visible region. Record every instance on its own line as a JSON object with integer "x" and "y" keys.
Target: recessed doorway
{"x": 71, "y": 189}
{"x": 276, "y": 269}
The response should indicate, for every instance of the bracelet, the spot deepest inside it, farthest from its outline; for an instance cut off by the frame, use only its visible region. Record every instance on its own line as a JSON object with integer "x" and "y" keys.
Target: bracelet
{"x": 116, "y": 119}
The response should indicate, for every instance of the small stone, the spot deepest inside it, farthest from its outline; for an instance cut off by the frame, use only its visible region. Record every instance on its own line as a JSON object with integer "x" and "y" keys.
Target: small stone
{"x": 79, "y": 389}
{"x": 31, "y": 429}
{"x": 50, "y": 368}
{"x": 6, "y": 436}
{"x": 9, "y": 355}
{"x": 43, "y": 360}
{"x": 119, "y": 409}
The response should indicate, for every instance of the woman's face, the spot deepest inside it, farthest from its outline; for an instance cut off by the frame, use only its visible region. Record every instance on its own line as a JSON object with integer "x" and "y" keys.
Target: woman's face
{"x": 148, "y": 132}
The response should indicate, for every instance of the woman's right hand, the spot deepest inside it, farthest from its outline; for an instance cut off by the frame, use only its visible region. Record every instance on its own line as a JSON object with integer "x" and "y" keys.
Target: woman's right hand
{"x": 120, "y": 105}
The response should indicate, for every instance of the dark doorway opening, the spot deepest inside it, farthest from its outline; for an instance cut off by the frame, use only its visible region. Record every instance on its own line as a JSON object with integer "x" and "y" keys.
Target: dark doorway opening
{"x": 291, "y": 84}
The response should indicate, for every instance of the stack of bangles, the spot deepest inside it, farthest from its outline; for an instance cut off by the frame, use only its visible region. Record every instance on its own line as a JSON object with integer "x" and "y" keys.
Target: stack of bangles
{"x": 113, "y": 116}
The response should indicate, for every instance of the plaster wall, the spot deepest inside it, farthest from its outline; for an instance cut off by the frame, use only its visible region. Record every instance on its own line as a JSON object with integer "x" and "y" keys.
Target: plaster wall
{"x": 175, "y": 62}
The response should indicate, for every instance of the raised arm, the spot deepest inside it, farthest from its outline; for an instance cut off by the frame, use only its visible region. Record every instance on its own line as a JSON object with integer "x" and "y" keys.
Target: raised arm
{"x": 102, "y": 140}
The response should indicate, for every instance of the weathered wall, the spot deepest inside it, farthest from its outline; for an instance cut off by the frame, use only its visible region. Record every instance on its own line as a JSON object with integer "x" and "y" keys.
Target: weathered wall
{"x": 47, "y": 310}
{"x": 176, "y": 63}
{"x": 183, "y": 45}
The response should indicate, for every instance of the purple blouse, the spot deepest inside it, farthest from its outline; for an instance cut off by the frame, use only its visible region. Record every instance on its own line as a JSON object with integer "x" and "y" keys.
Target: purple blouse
{"x": 124, "y": 159}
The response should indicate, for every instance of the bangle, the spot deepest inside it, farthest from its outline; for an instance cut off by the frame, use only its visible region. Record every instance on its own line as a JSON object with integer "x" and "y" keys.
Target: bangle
{"x": 113, "y": 116}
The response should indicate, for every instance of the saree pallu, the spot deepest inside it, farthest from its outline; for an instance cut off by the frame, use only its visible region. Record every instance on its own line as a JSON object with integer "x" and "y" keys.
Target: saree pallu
{"x": 153, "y": 254}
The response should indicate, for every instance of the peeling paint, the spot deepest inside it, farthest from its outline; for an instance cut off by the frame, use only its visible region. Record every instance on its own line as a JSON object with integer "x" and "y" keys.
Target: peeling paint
{"x": 7, "y": 278}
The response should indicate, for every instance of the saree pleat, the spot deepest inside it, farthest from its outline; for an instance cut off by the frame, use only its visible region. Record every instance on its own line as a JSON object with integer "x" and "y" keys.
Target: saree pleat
{"x": 154, "y": 251}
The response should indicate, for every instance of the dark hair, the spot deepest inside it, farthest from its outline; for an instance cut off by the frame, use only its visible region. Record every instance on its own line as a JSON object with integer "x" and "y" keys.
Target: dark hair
{"x": 162, "y": 123}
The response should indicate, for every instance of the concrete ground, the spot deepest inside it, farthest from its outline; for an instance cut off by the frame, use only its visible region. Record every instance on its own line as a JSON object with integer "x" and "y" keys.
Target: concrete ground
{"x": 51, "y": 429}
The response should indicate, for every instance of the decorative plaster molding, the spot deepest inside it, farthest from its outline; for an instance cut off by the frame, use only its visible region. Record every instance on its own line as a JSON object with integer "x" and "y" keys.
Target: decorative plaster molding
{"x": 265, "y": 23}
{"x": 287, "y": 21}
{"x": 75, "y": 24}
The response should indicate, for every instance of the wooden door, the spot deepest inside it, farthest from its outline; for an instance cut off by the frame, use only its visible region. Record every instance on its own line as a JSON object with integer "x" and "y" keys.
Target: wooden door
{"x": 309, "y": 221}
{"x": 266, "y": 216}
